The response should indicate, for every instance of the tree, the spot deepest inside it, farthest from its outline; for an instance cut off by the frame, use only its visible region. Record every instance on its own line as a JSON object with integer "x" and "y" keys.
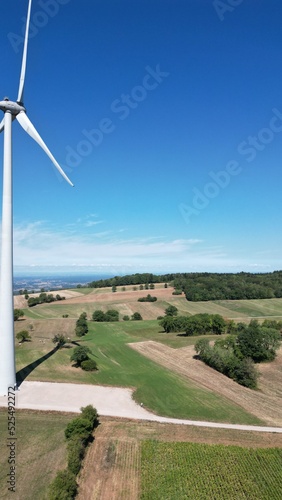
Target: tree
{"x": 80, "y": 354}
{"x": 80, "y": 331}
{"x": 18, "y": 313}
{"x": 64, "y": 486}
{"x": 126, "y": 318}
{"x": 259, "y": 343}
{"x": 90, "y": 413}
{"x": 89, "y": 365}
{"x": 171, "y": 311}
{"x": 23, "y": 336}
{"x": 218, "y": 324}
{"x": 79, "y": 426}
{"x": 111, "y": 315}
{"x": 76, "y": 452}
{"x": 136, "y": 316}
{"x": 59, "y": 339}
{"x": 98, "y": 315}
{"x": 114, "y": 288}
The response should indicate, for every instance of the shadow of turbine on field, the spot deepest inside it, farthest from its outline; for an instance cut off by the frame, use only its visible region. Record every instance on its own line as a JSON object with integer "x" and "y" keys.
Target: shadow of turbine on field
{"x": 22, "y": 374}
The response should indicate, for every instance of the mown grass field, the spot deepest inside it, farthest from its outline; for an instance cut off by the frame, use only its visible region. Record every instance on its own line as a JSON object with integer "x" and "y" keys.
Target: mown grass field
{"x": 178, "y": 471}
{"x": 40, "y": 452}
{"x": 157, "y": 388}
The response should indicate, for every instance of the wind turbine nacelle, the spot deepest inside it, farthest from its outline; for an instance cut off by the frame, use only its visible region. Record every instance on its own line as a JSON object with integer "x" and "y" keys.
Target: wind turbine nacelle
{"x": 11, "y": 106}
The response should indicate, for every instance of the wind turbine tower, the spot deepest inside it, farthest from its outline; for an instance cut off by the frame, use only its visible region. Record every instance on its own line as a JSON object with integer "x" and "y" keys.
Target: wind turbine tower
{"x": 12, "y": 110}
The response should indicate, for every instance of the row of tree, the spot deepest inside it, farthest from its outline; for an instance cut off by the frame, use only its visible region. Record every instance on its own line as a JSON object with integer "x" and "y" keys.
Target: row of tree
{"x": 113, "y": 315}
{"x": 146, "y": 286}
{"x": 133, "y": 279}
{"x": 78, "y": 434}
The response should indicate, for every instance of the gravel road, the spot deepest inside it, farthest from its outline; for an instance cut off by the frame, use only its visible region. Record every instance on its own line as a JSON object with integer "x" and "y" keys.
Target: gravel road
{"x": 109, "y": 401}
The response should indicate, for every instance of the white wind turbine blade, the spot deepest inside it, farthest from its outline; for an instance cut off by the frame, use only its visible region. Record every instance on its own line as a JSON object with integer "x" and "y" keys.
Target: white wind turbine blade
{"x": 2, "y": 125}
{"x": 22, "y": 77}
{"x": 26, "y": 124}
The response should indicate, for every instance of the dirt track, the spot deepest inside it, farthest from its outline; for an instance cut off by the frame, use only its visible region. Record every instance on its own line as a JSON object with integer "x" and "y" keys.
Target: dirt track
{"x": 264, "y": 404}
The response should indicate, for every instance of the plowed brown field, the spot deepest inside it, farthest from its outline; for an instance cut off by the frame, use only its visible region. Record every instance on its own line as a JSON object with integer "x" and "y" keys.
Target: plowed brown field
{"x": 266, "y": 403}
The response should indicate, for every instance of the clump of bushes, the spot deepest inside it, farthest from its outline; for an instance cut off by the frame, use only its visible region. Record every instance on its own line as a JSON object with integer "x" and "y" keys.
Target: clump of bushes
{"x": 43, "y": 298}
{"x": 148, "y": 298}
{"x": 81, "y": 358}
{"x": 110, "y": 315}
{"x": 89, "y": 365}
{"x": 136, "y": 316}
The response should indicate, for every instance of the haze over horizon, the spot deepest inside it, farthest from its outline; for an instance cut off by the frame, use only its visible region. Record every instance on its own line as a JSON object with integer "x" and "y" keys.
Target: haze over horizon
{"x": 167, "y": 116}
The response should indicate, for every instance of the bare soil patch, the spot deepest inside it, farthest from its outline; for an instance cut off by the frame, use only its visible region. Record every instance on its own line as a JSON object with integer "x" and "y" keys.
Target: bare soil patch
{"x": 264, "y": 403}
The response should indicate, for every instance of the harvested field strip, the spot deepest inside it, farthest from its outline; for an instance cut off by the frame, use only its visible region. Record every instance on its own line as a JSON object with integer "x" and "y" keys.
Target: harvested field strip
{"x": 254, "y": 308}
{"x": 181, "y": 361}
{"x": 111, "y": 470}
{"x": 177, "y": 471}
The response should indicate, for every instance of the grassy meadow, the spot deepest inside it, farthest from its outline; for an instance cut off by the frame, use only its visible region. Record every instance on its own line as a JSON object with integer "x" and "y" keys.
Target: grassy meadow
{"x": 40, "y": 452}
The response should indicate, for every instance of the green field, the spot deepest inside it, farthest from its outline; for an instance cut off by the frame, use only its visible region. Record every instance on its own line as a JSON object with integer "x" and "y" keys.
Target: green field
{"x": 40, "y": 452}
{"x": 178, "y": 471}
{"x": 157, "y": 388}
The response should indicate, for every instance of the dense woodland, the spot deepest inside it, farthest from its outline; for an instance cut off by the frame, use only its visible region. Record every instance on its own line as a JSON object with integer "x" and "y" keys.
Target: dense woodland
{"x": 208, "y": 286}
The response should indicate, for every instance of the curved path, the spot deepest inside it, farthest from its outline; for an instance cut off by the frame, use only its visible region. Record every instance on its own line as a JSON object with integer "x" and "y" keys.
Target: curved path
{"x": 109, "y": 401}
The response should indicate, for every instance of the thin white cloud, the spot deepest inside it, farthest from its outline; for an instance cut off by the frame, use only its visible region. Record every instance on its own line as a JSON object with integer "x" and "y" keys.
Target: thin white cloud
{"x": 36, "y": 244}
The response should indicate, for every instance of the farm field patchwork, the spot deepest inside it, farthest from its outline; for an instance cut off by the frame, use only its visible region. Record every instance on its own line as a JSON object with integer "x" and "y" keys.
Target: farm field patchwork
{"x": 126, "y": 302}
{"x": 178, "y": 471}
{"x": 159, "y": 388}
{"x": 112, "y": 467}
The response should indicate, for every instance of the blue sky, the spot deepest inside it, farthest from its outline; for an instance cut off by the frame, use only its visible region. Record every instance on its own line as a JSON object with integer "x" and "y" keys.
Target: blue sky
{"x": 167, "y": 117}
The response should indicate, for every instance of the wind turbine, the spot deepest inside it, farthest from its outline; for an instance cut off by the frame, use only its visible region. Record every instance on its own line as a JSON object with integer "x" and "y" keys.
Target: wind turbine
{"x": 13, "y": 110}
